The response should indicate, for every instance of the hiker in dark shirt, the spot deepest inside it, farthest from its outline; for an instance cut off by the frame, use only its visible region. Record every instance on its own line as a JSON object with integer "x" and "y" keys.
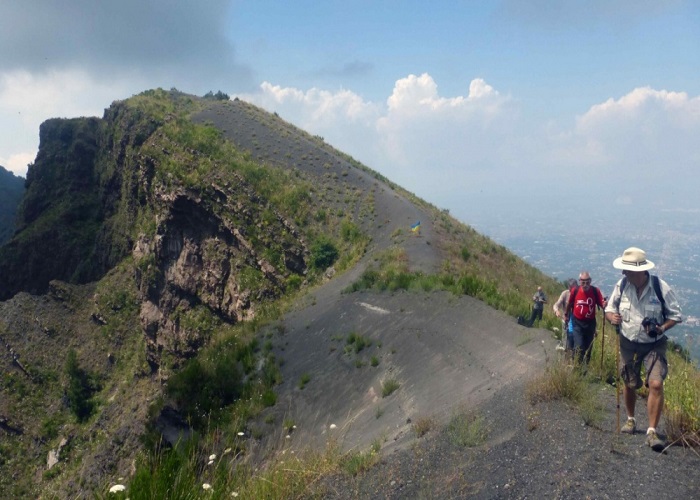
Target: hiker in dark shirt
{"x": 539, "y": 300}
{"x": 581, "y": 307}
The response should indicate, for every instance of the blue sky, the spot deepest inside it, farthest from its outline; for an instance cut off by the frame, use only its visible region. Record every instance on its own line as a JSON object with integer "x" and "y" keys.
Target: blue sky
{"x": 514, "y": 106}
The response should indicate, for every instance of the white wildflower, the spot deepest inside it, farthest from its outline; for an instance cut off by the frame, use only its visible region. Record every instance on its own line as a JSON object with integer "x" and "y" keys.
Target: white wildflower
{"x": 333, "y": 426}
{"x": 212, "y": 456}
{"x": 117, "y": 488}
{"x": 241, "y": 433}
{"x": 206, "y": 486}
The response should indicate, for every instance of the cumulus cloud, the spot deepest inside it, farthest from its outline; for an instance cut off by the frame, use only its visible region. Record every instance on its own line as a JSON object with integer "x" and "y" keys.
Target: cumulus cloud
{"x": 27, "y": 99}
{"x": 443, "y": 147}
{"x": 646, "y": 132}
{"x": 419, "y": 120}
{"x": 73, "y": 58}
{"x": 17, "y": 164}
{"x": 343, "y": 118}
{"x": 415, "y": 132}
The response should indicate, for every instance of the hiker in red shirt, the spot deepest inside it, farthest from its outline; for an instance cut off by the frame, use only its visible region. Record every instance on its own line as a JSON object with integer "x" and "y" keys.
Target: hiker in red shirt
{"x": 583, "y": 300}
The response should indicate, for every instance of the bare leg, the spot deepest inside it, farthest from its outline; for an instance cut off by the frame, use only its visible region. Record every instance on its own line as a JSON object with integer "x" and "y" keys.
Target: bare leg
{"x": 655, "y": 402}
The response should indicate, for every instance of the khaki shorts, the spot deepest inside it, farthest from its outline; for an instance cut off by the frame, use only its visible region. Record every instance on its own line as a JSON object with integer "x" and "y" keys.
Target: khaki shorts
{"x": 633, "y": 354}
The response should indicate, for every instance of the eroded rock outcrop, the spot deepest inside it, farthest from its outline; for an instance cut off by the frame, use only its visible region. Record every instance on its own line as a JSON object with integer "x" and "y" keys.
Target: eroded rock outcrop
{"x": 198, "y": 259}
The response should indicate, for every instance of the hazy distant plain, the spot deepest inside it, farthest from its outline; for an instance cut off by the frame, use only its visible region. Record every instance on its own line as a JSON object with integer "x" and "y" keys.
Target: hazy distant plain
{"x": 563, "y": 246}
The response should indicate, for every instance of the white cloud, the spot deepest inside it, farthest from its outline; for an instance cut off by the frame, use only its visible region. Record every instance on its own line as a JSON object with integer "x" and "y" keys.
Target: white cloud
{"x": 461, "y": 138}
{"x": 26, "y": 100}
{"x": 343, "y": 118}
{"x": 441, "y": 147}
{"x": 445, "y": 147}
{"x": 416, "y": 132}
{"x": 17, "y": 163}
{"x": 315, "y": 106}
{"x": 645, "y": 132}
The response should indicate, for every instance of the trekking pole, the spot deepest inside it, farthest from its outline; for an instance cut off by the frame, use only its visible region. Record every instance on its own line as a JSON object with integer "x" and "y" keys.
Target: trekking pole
{"x": 602, "y": 346}
{"x": 617, "y": 379}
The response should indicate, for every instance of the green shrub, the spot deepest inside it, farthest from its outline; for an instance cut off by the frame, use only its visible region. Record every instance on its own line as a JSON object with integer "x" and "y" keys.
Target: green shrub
{"x": 357, "y": 342}
{"x": 80, "y": 388}
{"x": 356, "y": 462}
{"x": 467, "y": 429}
{"x": 294, "y": 282}
{"x": 303, "y": 380}
{"x": 269, "y": 398}
{"x": 323, "y": 254}
{"x": 350, "y": 232}
{"x": 203, "y": 387}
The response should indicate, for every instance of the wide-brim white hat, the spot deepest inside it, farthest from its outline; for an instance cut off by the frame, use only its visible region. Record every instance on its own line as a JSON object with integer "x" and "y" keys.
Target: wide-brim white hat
{"x": 633, "y": 259}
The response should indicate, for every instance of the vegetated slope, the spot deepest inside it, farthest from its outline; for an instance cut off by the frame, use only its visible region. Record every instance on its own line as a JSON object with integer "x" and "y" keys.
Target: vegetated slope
{"x": 440, "y": 349}
{"x": 11, "y": 191}
{"x": 172, "y": 233}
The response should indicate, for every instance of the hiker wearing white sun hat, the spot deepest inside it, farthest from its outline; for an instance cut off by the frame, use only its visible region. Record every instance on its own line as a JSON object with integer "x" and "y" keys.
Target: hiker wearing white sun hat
{"x": 633, "y": 259}
{"x": 642, "y": 307}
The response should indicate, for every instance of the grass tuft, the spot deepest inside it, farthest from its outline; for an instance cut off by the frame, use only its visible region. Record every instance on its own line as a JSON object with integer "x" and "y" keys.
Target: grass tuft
{"x": 389, "y": 386}
{"x": 467, "y": 429}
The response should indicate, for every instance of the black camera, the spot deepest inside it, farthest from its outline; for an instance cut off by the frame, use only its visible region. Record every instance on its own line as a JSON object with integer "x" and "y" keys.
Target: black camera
{"x": 652, "y": 327}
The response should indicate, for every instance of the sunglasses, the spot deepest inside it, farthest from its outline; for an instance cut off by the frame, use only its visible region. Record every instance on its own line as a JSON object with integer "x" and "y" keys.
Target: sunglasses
{"x": 585, "y": 281}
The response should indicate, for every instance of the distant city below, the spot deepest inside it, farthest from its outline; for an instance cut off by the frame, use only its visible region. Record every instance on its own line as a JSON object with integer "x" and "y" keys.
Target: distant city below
{"x": 561, "y": 249}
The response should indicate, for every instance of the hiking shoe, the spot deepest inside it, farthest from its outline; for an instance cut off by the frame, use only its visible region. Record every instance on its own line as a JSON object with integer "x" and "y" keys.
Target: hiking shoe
{"x": 630, "y": 426}
{"x": 655, "y": 442}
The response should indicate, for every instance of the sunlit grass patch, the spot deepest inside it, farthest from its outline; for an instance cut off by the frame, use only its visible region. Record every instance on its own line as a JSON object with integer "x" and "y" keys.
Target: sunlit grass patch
{"x": 355, "y": 463}
{"x": 303, "y": 380}
{"x": 682, "y": 402}
{"x": 389, "y": 386}
{"x": 356, "y": 342}
{"x": 561, "y": 381}
{"x": 558, "y": 381}
{"x": 422, "y": 426}
{"x": 467, "y": 429}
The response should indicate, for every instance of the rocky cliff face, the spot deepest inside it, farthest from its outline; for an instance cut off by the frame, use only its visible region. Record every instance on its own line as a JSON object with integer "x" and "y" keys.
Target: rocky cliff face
{"x": 141, "y": 236}
{"x": 11, "y": 192}
{"x": 201, "y": 259}
{"x": 97, "y": 194}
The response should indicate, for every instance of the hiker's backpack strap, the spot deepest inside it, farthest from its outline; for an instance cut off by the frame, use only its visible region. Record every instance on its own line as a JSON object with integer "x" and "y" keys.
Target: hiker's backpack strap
{"x": 598, "y": 295}
{"x": 657, "y": 289}
{"x": 655, "y": 284}
{"x": 623, "y": 284}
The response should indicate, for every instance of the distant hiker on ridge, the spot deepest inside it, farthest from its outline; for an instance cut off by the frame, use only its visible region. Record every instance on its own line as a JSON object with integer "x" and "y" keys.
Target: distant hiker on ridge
{"x": 581, "y": 308}
{"x": 539, "y": 300}
{"x": 567, "y": 332}
{"x": 643, "y": 308}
